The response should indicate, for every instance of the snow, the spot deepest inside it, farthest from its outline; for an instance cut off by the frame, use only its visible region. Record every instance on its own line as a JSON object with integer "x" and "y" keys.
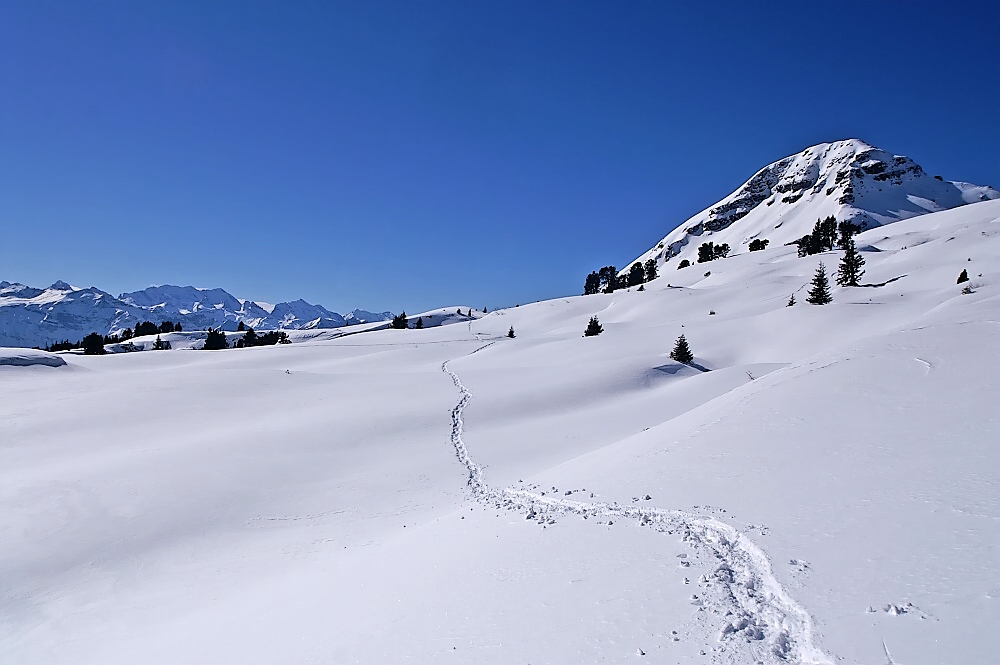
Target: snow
{"x": 29, "y": 358}
{"x": 829, "y": 491}
{"x": 38, "y": 317}
{"x": 850, "y": 180}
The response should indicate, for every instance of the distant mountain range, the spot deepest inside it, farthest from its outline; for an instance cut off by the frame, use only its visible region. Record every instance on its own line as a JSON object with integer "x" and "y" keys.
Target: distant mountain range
{"x": 36, "y": 317}
{"x": 850, "y": 180}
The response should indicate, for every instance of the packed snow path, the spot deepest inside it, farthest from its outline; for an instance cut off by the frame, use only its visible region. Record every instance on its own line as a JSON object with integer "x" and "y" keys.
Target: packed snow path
{"x": 760, "y": 609}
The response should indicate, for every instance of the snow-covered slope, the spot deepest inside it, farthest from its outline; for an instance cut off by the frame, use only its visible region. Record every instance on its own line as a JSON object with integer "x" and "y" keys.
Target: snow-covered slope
{"x": 36, "y": 317}
{"x": 849, "y": 180}
{"x": 829, "y": 492}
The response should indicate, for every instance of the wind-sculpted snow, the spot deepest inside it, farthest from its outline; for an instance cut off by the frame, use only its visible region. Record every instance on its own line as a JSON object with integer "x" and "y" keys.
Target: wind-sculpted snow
{"x": 760, "y": 609}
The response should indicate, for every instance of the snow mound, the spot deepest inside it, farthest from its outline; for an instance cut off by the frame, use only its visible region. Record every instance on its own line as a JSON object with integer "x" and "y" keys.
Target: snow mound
{"x": 29, "y": 358}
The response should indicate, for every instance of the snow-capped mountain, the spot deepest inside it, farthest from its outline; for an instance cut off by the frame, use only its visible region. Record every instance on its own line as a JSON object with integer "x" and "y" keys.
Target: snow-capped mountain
{"x": 850, "y": 180}
{"x": 36, "y": 317}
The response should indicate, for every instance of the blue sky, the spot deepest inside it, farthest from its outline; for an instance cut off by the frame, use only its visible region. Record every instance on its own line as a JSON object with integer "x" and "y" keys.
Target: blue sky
{"x": 392, "y": 155}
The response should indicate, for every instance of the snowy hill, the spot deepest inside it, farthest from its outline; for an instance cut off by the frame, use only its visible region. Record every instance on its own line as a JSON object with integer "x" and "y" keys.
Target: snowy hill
{"x": 849, "y": 180}
{"x": 36, "y": 317}
{"x": 828, "y": 492}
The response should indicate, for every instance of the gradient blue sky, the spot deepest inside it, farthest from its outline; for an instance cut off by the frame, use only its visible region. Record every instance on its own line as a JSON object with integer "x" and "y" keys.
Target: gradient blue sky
{"x": 392, "y": 155}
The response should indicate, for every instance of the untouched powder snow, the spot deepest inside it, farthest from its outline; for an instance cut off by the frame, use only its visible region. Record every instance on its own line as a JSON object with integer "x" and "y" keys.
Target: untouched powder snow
{"x": 825, "y": 489}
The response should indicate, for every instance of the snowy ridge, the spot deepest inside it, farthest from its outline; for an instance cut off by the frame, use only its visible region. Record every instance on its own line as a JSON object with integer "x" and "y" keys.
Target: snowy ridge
{"x": 36, "y": 317}
{"x": 762, "y": 609}
{"x": 850, "y": 180}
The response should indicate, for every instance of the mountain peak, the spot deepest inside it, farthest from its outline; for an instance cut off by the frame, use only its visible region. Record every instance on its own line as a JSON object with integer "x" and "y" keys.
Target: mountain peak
{"x": 60, "y": 285}
{"x": 848, "y": 179}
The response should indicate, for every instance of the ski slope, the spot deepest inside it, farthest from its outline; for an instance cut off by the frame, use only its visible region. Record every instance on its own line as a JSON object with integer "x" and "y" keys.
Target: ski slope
{"x": 827, "y": 491}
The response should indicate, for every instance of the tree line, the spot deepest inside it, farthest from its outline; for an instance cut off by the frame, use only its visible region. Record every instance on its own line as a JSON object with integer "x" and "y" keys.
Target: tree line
{"x": 608, "y": 279}
{"x": 95, "y": 340}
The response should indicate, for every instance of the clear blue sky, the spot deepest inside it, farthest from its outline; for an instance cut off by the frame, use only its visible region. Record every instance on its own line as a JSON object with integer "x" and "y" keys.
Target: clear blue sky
{"x": 394, "y": 155}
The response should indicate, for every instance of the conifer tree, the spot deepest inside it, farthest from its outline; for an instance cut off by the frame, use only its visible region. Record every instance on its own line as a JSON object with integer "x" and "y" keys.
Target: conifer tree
{"x": 592, "y": 284}
{"x": 215, "y": 340}
{"x": 964, "y": 277}
{"x": 682, "y": 351}
{"x": 510, "y": 333}
{"x": 420, "y": 322}
{"x": 399, "y": 321}
{"x": 594, "y": 328}
{"x": 850, "y": 270}
{"x": 636, "y": 274}
{"x": 847, "y": 230}
{"x": 650, "y": 269}
{"x": 609, "y": 279}
{"x": 791, "y": 301}
{"x": 820, "y": 294}
{"x": 93, "y": 345}
{"x": 706, "y": 252}
{"x": 241, "y": 327}
{"x": 683, "y": 264}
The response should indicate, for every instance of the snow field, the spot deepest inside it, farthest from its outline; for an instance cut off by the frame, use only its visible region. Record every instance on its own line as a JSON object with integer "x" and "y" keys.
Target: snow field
{"x": 304, "y": 503}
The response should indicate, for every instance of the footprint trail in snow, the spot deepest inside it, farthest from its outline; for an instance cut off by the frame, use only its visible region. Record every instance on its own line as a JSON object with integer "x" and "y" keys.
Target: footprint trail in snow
{"x": 761, "y": 610}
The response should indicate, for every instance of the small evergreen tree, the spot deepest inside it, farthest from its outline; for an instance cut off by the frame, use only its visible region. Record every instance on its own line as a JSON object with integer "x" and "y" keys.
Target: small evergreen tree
{"x": 850, "y": 270}
{"x": 847, "y": 230}
{"x": 420, "y": 322}
{"x": 791, "y": 301}
{"x": 510, "y": 333}
{"x": 399, "y": 321}
{"x": 594, "y": 328}
{"x": 720, "y": 251}
{"x": 820, "y": 294}
{"x": 166, "y": 327}
{"x": 93, "y": 345}
{"x": 758, "y": 244}
{"x": 651, "y": 270}
{"x": 177, "y": 327}
{"x": 215, "y": 340}
{"x": 241, "y": 327}
{"x": 160, "y": 345}
{"x": 592, "y": 284}
{"x": 682, "y": 352}
{"x": 964, "y": 277}
{"x": 249, "y": 339}
{"x": 683, "y": 264}
{"x": 126, "y": 334}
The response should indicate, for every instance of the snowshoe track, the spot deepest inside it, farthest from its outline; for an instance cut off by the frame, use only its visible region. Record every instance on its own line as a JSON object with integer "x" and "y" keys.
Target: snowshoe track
{"x": 761, "y": 609}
